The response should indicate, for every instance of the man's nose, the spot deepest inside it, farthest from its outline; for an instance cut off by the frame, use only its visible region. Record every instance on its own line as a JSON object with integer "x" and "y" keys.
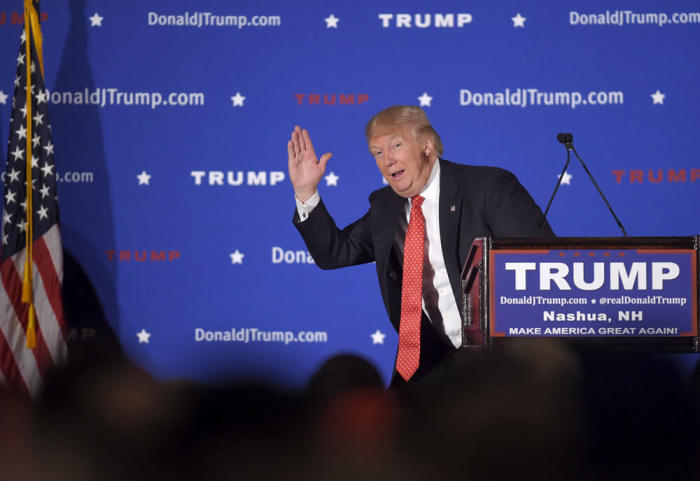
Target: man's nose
{"x": 389, "y": 159}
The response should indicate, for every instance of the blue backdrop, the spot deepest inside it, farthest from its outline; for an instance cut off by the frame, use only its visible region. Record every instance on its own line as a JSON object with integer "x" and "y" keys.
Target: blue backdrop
{"x": 170, "y": 122}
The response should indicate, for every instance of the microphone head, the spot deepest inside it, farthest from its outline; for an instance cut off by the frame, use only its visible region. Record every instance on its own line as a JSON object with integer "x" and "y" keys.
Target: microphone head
{"x": 565, "y": 138}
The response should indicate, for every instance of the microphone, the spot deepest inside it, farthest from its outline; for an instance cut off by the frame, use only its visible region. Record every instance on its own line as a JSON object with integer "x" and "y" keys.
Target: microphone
{"x": 568, "y": 140}
{"x": 565, "y": 138}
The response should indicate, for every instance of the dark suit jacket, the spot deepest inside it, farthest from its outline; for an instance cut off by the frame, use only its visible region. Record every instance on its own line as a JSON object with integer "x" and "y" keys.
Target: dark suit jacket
{"x": 474, "y": 202}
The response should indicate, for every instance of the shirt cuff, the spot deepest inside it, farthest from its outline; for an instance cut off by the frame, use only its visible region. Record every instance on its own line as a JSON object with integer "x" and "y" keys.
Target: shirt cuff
{"x": 305, "y": 208}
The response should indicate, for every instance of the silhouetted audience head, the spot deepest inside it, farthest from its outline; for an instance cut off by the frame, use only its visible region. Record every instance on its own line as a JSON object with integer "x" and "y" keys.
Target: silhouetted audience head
{"x": 529, "y": 410}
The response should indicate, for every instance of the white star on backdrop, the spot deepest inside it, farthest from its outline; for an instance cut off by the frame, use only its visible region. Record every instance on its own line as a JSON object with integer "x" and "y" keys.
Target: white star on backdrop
{"x": 331, "y": 180}
{"x": 144, "y": 178}
{"x": 566, "y": 179}
{"x": 658, "y": 97}
{"x": 378, "y": 337}
{"x": 237, "y": 257}
{"x": 96, "y": 20}
{"x": 3, "y": 97}
{"x": 238, "y": 100}
{"x": 144, "y": 336}
{"x": 518, "y": 20}
{"x": 425, "y": 100}
{"x": 331, "y": 21}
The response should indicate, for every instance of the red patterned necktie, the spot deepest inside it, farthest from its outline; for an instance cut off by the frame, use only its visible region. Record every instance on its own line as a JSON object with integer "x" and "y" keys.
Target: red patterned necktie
{"x": 411, "y": 293}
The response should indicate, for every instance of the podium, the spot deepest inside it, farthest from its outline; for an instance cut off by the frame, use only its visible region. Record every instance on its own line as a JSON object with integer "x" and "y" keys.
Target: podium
{"x": 638, "y": 293}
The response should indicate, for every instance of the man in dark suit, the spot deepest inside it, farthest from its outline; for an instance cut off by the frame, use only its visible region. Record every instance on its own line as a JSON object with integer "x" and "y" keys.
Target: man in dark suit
{"x": 445, "y": 205}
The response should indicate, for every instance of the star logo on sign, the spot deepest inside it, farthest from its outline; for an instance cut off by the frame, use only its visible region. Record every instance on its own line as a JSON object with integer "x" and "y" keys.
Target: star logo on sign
{"x": 238, "y": 100}
{"x": 425, "y": 100}
{"x": 658, "y": 97}
{"x": 3, "y": 97}
{"x": 96, "y": 20}
{"x": 518, "y": 20}
{"x": 144, "y": 178}
{"x": 237, "y": 257}
{"x": 144, "y": 336}
{"x": 566, "y": 179}
{"x": 378, "y": 337}
{"x": 331, "y": 180}
{"x": 331, "y": 21}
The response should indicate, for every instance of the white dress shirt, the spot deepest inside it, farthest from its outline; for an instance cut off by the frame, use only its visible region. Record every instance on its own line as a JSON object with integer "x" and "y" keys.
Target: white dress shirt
{"x": 438, "y": 300}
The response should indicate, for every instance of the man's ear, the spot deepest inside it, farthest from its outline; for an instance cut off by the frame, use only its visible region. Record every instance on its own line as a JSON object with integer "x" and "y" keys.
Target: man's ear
{"x": 428, "y": 146}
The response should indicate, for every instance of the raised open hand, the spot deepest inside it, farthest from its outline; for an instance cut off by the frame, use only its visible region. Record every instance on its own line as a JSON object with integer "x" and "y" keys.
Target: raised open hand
{"x": 305, "y": 170}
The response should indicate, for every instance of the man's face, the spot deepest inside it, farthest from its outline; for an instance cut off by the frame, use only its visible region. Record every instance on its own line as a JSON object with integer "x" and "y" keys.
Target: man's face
{"x": 405, "y": 163}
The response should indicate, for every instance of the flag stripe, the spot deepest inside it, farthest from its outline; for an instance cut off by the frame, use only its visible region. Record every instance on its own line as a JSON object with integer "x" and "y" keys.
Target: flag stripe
{"x": 52, "y": 238}
{"x": 13, "y": 333}
{"x": 11, "y": 277}
{"x": 9, "y": 372}
{"x": 52, "y": 285}
{"x": 46, "y": 317}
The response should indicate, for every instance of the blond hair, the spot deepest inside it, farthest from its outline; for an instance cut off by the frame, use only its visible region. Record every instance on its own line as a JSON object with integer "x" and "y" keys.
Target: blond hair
{"x": 404, "y": 115}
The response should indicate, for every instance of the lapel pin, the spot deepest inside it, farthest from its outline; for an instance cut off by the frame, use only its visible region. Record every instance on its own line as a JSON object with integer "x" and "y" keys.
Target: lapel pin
{"x": 452, "y": 208}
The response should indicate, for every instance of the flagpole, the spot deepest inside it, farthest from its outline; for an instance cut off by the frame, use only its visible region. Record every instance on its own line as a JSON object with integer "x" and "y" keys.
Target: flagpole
{"x": 28, "y": 282}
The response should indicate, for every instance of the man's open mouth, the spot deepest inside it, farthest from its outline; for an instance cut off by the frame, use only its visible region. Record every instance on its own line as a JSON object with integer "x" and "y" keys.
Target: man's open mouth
{"x": 398, "y": 173}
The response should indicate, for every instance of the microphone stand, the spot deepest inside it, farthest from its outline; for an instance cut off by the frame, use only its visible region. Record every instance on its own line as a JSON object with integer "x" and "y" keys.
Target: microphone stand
{"x": 568, "y": 141}
{"x": 561, "y": 176}
{"x": 596, "y": 186}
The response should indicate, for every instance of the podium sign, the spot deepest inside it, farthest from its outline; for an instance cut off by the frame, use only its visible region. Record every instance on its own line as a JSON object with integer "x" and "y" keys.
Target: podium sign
{"x": 624, "y": 292}
{"x": 593, "y": 293}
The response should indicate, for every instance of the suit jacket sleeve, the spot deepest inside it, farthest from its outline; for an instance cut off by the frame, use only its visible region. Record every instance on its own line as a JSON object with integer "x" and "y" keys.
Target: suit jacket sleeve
{"x": 332, "y": 247}
{"x": 511, "y": 211}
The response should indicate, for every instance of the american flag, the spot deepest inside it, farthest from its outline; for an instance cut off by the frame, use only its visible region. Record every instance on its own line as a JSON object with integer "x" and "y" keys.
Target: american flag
{"x": 21, "y": 368}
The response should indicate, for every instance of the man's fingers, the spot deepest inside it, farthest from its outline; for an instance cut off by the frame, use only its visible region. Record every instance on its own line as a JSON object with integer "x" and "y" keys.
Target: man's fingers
{"x": 302, "y": 140}
{"x": 295, "y": 142}
{"x": 324, "y": 159}
{"x": 307, "y": 140}
{"x": 290, "y": 153}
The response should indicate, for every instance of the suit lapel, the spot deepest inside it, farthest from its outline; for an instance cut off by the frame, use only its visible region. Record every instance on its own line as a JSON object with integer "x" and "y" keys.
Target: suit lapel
{"x": 450, "y": 215}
